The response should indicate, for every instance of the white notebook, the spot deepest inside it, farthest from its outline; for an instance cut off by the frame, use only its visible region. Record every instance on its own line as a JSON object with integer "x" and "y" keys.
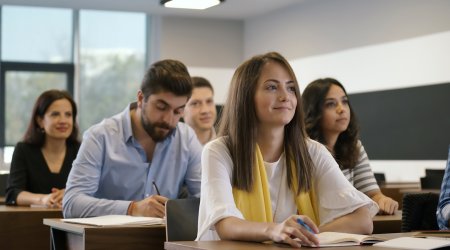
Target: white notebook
{"x": 346, "y": 239}
{"x": 335, "y": 239}
{"x": 117, "y": 220}
{"x": 414, "y": 243}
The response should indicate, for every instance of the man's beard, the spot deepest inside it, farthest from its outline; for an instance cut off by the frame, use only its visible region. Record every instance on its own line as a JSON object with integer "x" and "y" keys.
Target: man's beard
{"x": 150, "y": 128}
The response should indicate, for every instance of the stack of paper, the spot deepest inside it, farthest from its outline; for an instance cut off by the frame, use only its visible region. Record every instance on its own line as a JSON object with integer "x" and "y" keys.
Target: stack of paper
{"x": 117, "y": 220}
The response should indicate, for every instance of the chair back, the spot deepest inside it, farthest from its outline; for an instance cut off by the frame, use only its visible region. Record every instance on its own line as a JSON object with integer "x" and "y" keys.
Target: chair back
{"x": 433, "y": 179}
{"x": 380, "y": 178}
{"x": 436, "y": 172}
{"x": 3, "y": 183}
{"x": 182, "y": 219}
{"x": 419, "y": 211}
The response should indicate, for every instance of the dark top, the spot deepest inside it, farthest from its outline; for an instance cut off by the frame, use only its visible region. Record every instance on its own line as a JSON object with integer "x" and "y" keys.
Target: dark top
{"x": 29, "y": 171}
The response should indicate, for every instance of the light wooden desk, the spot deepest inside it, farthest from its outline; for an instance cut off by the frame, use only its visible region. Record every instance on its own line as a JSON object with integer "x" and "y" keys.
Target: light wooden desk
{"x": 387, "y": 223}
{"x": 241, "y": 245}
{"x": 21, "y": 227}
{"x": 83, "y": 237}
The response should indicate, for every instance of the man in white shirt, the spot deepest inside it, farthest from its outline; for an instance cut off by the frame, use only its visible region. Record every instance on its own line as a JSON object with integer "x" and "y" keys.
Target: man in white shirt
{"x": 200, "y": 112}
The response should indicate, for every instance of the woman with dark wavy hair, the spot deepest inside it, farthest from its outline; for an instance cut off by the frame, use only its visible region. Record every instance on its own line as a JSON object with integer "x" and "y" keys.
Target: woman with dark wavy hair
{"x": 42, "y": 161}
{"x": 330, "y": 120}
{"x": 263, "y": 175}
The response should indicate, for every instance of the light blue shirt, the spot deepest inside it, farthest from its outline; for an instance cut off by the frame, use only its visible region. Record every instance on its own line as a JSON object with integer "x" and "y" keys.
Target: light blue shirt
{"x": 443, "y": 209}
{"x": 111, "y": 168}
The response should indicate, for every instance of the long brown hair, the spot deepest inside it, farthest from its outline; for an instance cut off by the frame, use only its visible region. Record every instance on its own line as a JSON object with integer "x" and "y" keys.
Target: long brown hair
{"x": 239, "y": 126}
{"x": 346, "y": 152}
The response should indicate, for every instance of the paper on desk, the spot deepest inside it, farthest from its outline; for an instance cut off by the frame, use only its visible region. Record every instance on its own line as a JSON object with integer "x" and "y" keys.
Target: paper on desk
{"x": 117, "y": 220}
{"x": 414, "y": 243}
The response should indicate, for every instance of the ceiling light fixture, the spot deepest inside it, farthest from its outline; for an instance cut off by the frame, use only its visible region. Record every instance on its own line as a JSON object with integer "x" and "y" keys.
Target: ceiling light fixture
{"x": 191, "y": 4}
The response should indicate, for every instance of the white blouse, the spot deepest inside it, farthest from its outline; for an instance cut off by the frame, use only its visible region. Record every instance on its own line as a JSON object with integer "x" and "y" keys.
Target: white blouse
{"x": 336, "y": 196}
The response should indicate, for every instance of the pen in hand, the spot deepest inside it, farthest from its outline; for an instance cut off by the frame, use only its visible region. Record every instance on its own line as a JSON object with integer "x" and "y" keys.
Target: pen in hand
{"x": 303, "y": 224}
{"x": 156, "y": 188}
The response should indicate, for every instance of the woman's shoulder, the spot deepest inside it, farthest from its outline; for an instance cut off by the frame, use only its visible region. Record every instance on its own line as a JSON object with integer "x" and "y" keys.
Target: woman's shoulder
{"x": 315, "y": 147}
{"x": 320, "y": 155}
{"x": 217, "y": 145}
{"x": 26, "y": 146}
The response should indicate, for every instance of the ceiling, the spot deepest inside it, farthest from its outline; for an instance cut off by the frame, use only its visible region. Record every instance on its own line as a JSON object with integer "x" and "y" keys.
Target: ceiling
{"x": 230, "y": 9}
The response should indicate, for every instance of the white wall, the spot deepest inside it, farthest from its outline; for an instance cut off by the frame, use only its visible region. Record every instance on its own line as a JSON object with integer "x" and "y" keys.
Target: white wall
{"x": 367, "y": 45}
{"x": 324, "y": 26}
{"x": 404, "y": 63}
{"x": 200, "y": 42}
{"x": 210, "y": 48}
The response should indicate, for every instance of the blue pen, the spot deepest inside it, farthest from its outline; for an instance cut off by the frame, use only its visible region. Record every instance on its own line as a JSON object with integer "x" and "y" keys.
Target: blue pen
{"x": 303, "y": 224}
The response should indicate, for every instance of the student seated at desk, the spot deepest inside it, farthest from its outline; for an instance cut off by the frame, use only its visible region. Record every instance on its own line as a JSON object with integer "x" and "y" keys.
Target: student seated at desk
{"x": 134, "y": 161}
{"x": 330, "y": 120}
{"x": 443, "y": 209}
{"x": 263, "y": 173}
{"x": 42, "y": 161}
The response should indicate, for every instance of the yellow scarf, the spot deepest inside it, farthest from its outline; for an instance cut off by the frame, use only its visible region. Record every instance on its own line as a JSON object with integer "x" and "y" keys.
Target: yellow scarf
{"x": 256, "y": 205}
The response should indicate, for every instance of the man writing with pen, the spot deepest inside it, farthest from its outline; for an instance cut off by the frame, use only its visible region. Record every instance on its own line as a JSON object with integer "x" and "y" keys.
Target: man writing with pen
{"x": 133, "y": 162}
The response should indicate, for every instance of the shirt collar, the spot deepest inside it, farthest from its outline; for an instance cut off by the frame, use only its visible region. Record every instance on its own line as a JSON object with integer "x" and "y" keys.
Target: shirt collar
{"x": 126, "y": 122}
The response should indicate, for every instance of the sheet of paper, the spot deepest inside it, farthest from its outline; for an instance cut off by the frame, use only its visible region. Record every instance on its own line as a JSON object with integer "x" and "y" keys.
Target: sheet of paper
{"x": 414, "y": 243}
{"x": 114, "y": 220}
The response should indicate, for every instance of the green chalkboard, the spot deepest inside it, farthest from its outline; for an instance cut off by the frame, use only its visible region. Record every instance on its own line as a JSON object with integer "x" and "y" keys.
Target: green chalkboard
{"x": 405, "y": 124}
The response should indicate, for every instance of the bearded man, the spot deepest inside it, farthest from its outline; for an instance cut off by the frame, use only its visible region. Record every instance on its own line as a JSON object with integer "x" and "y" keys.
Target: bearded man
{"x": 133, "y": 162}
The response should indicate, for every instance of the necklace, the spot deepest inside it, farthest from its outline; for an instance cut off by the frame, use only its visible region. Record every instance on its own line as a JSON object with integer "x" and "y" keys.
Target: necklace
{"x": 278, "y": 192}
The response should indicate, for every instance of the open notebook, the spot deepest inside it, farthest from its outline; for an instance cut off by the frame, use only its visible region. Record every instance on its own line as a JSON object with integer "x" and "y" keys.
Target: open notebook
{"x": 335, "y": 239}
{"x": 117, "y": 220}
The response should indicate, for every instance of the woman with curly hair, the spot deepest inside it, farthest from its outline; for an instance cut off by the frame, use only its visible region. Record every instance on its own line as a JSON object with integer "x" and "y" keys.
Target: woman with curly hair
{"x": 330, "y": 120}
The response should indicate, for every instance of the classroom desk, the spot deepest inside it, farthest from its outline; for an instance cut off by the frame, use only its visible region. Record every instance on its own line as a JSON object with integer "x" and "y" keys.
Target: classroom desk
{"x": 395, "y": 190}
{"x": 420, "y": 191}
{"x": 83, "y": 237}
{"x": 21, "y": 227}
{"x": 387, "y": 223}
{"x": 241, "y": 245}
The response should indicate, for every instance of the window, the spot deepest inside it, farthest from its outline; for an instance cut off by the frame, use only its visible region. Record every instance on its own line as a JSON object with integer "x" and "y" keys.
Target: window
{"x": 37, "y": 54}
{"x": 32, "y": 34}
{"x": 112, "y": 62}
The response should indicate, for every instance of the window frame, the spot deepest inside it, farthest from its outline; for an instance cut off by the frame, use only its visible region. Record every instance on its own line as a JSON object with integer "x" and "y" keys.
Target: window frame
{"x": 67, "y": 68}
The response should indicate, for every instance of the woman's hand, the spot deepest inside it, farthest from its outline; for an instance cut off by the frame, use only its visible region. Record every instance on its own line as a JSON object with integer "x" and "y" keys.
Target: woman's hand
{"x": 294, "y": 234}
{"x": 53, "y": 199}
{"x": 387, "y": 205}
